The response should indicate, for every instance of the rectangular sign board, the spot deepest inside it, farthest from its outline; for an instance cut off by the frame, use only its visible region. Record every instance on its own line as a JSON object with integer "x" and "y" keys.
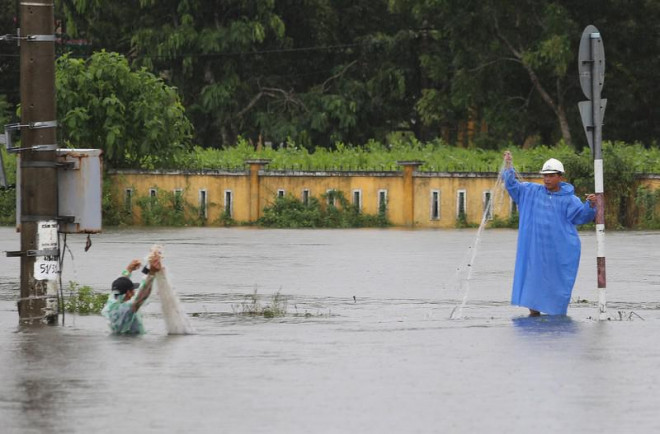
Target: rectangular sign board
{"x": 47, "y": 267}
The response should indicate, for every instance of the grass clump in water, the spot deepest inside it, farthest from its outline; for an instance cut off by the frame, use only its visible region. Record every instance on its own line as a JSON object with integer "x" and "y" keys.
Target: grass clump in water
{"x": 83, "y": 300}
{"x": 252, "y": 306}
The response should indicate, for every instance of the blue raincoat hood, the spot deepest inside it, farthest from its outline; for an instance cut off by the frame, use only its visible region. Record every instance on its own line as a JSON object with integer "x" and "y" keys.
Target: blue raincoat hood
{"x": 564, "y": 189}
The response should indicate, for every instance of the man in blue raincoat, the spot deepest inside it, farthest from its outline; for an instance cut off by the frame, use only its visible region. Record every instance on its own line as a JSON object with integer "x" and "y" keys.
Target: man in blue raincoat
{"x": 548, "y": 252}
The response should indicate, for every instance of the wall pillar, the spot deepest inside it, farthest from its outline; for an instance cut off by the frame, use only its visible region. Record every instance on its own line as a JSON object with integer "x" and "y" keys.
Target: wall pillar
{"x": 409, "y": 168}
{"x": 255, "y": 166}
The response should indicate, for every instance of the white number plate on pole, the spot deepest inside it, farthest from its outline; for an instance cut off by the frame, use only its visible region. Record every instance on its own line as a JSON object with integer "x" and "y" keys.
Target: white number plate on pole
{"x": 46, "y": 267}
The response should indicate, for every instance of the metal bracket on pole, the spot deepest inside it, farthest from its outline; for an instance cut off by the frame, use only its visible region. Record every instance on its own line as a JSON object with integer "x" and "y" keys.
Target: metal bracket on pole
{"x": 38, "y": 218}
{"x": 45, "y": 252}
{"x": 36, "y": 148}
{"x": 46, "y": 164}
{"x": 9, "y": 128}
{"x": 8, "y": 38}
{"x": 32, "y": 125}
{"x": 40, "y": 38}
{"x": 29, "y": 38}
{"x": 41, "y": 124}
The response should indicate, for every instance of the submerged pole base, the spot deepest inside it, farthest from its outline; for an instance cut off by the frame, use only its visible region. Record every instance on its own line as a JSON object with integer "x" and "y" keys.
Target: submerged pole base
{"x": 602, "y": 305}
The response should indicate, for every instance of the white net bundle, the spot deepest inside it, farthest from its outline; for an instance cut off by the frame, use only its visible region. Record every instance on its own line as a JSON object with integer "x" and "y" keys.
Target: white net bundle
{"x": 176, "y": 320}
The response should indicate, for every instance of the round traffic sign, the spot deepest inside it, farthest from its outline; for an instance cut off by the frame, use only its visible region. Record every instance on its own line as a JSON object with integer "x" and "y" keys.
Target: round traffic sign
{"x": 591, "y": 52}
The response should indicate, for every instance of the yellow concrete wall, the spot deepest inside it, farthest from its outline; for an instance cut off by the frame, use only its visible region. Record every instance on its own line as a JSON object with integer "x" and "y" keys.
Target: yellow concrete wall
{"x": 214, "y": 184}
{"x": 369, "y": 183}
{"x": 652, "y": 182}
{"x": 449, "y": 185}
{"x": 321, "y": 183}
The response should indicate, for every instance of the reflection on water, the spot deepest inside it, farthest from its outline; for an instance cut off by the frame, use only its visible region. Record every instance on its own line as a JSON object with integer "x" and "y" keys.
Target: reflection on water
{"x": 545, "y": 324}
{"x": 366, "y": 345}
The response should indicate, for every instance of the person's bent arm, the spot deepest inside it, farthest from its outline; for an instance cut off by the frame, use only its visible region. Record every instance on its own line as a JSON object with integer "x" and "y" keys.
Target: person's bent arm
{"x": 145, "y": 292}
{"x": 579, "y": 213}
{"x": 154, "y": 267}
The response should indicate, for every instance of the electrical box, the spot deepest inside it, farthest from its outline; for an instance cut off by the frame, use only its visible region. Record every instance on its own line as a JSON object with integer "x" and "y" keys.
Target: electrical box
{"x": 80, "y": 184}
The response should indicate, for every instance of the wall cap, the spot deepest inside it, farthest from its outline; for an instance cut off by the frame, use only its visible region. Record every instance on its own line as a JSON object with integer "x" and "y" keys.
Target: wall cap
{"x": 263, "y": 161}
{"x": 410, "y": 163}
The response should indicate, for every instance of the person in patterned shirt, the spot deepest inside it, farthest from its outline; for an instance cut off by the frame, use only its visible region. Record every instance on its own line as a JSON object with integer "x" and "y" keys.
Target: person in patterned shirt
{"x": 127, "y": 297}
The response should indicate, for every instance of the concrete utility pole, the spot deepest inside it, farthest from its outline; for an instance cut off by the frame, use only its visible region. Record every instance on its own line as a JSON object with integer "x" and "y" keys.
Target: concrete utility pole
{"x": 591, "y": 65}
{"x": 38, "y": 172}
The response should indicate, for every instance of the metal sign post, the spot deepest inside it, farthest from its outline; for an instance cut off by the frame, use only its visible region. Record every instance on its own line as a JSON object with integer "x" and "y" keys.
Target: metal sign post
{"x": 591, "y": 66}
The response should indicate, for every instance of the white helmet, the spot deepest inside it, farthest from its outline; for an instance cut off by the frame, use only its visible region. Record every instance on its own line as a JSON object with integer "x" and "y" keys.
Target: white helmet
{"x": 552, "y": 166}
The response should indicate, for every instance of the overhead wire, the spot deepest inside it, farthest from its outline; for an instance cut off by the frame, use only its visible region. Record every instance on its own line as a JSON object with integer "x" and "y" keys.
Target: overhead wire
{"x": 256, "y": 52}
{"x": 238, "y": 53}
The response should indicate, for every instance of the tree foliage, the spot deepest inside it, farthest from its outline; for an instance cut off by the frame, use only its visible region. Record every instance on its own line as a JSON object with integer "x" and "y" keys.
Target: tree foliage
{"x": 132, "y": 115}
{"x": 9, "y": 62}
{"x": 474, "y": 73}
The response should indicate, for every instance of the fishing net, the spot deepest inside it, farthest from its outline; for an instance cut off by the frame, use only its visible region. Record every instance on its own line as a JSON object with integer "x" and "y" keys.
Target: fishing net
{"x": 176, "y": 320}
{"x": 466, "y": 266}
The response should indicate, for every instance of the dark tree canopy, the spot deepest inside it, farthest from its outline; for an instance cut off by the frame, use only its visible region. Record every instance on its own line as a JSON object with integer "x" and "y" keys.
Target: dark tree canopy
{"x": 474, "y": 73}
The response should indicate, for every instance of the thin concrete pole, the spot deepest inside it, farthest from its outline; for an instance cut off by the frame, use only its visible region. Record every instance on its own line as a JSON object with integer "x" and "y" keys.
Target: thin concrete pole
{"x": 598, "y": 176}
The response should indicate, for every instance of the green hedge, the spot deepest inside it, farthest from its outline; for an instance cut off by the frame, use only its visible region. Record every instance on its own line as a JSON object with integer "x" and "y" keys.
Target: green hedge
{"x": 622, "y": 162}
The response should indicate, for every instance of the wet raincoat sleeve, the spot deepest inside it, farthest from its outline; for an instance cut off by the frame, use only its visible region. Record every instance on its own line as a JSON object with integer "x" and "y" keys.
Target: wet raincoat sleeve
{"x": 515, "y": 188}
{"x": 580, "y": 213}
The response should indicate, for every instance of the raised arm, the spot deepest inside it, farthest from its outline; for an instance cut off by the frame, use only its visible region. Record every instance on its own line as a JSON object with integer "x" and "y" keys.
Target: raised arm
{"x": 509, "y": 177}
{"x": 154, "y": 267}
{"x": 132, "y": 266}
{"x": 508, "y": 160}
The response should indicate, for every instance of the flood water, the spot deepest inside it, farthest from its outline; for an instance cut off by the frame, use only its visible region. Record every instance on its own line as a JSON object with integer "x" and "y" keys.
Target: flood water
{"x": 366, "y": 345}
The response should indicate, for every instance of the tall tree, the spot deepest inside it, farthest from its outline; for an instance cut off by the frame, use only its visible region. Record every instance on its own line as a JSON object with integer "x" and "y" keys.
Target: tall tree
{"x": 319, "y": 71}
{"x": 494, "y": 57}
{"x": 98, "y": 24}
{"x": 316, "y": 71}
{"x": 131, "y": 114}
{"x": 357, "y": 78}
{"x": 211, "y": 52}
{"x": 539, "y": 37}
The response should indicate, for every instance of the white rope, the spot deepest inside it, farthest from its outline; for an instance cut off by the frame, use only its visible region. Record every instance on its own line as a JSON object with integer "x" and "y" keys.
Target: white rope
{"x": 457, "y": 312}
